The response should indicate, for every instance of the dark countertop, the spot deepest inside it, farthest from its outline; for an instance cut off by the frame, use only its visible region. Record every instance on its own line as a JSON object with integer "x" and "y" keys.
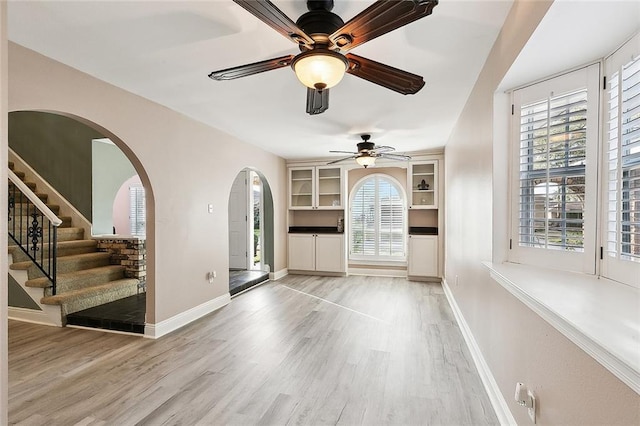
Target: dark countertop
{"x": 314, "y": 230}
{"x": 423, "y": 230}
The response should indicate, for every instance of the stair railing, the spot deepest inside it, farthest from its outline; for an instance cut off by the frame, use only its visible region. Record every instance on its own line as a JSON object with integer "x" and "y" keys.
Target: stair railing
{"x": 33, "y": 227}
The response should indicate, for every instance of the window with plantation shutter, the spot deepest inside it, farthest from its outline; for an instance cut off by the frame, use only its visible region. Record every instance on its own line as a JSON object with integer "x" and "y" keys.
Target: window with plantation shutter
{"x": 377, "y": 220}
{"x": 621, "y": 230}
{"x": 552, "y": 172}
{"x": 555, "y": 145}
{"x": 137, "y": 211}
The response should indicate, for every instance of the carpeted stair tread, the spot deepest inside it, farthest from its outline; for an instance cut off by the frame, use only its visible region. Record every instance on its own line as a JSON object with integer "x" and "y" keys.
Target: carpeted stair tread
{"x": 30, "y": 185}
{"x": 77, "y": 300}
{"x": 71, "y": 263}
{"x": 53, "y": 207}
{"x": 83, "y": 278}
{"x": 68, "y": 296}
{"x": 65, "y": 248}
{"x": 26, "y": 220}
{"x": 19, "y": 174}
{"x": 19, "y": 196}
{"x": 64, "y": 234}
{"x": 11, "y": 165}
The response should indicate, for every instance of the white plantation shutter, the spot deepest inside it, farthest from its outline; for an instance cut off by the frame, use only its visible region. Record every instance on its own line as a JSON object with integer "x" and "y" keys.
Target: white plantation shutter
{"x": 555, "y": 136}
{"x": 552, "y": 172}
{"x": 621, "y": 260}
{"x": 137, "y": 211}
{"x": 377, "y": 220}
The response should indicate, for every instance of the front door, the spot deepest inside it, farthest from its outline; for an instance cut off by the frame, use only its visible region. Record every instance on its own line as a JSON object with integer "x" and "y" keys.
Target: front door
{"x": 238, "y": 203}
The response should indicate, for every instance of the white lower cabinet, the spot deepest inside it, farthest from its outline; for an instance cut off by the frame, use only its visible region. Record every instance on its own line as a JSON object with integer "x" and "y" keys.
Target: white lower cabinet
{"x": 423, "y": 256}
{"x": 316, "y": 252}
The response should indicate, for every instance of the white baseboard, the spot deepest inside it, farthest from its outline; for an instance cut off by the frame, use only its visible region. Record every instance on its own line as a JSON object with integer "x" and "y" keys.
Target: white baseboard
{"x": 273, "y": 276}
{"x": 495, "y": 396}
{"x": 30, "y": 315}
{"x": 157, "y": 330}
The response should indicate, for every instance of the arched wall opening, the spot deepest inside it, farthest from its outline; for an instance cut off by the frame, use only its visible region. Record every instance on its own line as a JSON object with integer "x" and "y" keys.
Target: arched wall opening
{"x": 46, "y": 154}
{"x": 251, "y": 222}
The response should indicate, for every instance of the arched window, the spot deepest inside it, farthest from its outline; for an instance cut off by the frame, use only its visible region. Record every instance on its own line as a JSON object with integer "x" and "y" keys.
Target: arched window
{"x": 377, "y": 228}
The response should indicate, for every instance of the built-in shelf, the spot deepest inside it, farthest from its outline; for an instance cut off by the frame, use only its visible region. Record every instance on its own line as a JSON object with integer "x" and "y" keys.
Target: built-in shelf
{"x": 316, "y": 187}
{"x": 422, "y": 179}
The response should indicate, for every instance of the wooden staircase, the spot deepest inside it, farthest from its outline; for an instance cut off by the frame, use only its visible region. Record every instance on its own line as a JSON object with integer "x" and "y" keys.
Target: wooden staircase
{"x": 85, "y": 276}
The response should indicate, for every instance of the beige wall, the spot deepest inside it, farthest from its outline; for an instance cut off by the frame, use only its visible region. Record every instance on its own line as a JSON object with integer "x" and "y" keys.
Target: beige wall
{"x": 186, "y": 165}
{"x": 518, "y": 345}
{"x": 3, "y": 215}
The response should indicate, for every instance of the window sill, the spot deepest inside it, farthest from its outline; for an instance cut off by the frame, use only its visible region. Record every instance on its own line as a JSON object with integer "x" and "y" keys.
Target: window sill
{"x": 400, "y": 263}
{"x": 601, "y": 316}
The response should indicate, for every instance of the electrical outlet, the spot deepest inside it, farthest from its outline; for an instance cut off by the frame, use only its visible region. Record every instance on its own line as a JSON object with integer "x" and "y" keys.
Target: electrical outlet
{"x": 532, "y": 409}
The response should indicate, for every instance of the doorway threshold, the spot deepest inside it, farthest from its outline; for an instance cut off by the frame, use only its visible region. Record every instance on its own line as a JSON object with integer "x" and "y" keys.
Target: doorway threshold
{"x": 242, "y": 280}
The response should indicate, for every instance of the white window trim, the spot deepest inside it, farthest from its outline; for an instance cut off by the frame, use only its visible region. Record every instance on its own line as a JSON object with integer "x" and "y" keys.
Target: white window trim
{"x": 574, "y": 261}
{"x": 360, "y": 259}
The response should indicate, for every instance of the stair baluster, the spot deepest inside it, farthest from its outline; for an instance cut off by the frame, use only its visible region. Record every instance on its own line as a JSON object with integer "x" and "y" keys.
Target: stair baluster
{"x": 28, "y": 219}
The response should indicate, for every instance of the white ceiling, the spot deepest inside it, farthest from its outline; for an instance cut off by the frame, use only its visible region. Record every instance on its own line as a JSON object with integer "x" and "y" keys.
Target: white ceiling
{"x": 573, "y": 33}
{"x": 163, "y": 51}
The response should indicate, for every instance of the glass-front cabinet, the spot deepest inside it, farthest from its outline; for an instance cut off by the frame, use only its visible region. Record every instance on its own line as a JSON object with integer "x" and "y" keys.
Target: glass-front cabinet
{"x": 301, "y": 188}
{"x": 423, "y": 185}
{"x": 317, "y": 187}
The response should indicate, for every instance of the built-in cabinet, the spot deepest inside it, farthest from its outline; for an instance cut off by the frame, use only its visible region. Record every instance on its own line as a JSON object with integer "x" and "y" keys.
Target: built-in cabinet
{"x": 317, "y": 252}
{"x": 422, "y": 182}
{"x": 423, "y": 256}
{"x": 318, "y": 214}
{"x": 315, "y": 187}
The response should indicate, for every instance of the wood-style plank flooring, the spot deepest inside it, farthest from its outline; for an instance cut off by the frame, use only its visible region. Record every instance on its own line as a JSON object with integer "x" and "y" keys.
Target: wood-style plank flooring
{"x": 301, "y": 350}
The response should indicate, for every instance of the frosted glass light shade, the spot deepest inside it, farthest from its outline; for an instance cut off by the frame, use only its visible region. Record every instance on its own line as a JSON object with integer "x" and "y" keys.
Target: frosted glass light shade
{"x": 366, "y": 160}
{"x": 320, "y": 69}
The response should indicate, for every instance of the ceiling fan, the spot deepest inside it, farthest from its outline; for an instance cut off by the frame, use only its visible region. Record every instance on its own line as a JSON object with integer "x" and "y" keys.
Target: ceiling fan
{"x": 324, "y": 40}
{"x": 368, "y": 152}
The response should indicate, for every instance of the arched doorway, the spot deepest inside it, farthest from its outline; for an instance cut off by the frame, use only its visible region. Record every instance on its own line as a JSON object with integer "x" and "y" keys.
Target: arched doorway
{"x": 59, "y": 149}
{"x": 250, "y": 231}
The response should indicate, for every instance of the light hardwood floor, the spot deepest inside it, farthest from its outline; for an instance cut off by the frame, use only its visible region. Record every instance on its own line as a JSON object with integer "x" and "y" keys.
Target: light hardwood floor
{"x": 302, "y": 350}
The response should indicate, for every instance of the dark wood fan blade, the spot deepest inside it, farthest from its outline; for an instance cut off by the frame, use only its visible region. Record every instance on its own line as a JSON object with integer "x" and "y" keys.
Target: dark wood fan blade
{"x": 268, "y": 13}
{"x": 392, "y": 78}
{"x": 380, "y": 18}
{"x": 398, "y": 157}
{"x": 317, "y": 101}
{"x": 343, "y": 159}
{"x": 250, "y": 69}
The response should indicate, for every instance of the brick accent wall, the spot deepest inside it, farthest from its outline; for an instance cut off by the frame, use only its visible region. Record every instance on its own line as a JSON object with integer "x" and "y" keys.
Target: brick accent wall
{"x": 130, "y": 252}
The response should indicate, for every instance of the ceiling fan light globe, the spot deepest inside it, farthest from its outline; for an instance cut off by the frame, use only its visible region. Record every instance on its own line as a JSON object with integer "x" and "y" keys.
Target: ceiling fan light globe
{"x": 366, "y": 161}
{"x": 320, "y": 69}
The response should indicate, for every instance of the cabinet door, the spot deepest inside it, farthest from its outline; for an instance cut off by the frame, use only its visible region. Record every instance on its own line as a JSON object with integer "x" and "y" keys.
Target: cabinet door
{"x": 302, "y": 252}
{"x": 423, "y": 184}
{"x": 301, "y": 188}
{"x": 329, "y": 188}
{"x": 423, "y": 256}
{"x": 330, "y": 253}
